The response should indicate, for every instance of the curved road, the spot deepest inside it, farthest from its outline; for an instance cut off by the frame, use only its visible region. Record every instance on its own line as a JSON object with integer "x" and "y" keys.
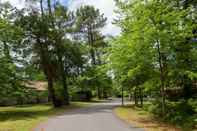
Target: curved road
{"x": 98, "y": 117}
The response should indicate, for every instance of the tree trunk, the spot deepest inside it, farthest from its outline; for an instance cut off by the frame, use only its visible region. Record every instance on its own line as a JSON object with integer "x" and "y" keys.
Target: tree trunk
{"x": 161, "y": 77}
{"x": 93, "y": 56}
{"x": 91, "y": 43}
{"x": 141, "y": 96}
{"x": 56, "y": 103}
{"x": 48, "y": 73}
{"x": 187, "y": 88}
{"x": 122, "y": 96}
{"x": 99, "y": 92}
{"x": 64, "y": 81}
{"x": 49, "y": 8}
{"x": 41, "y": 8}
{"x": 98, "y": 58}
{"x": 136, "y": 97}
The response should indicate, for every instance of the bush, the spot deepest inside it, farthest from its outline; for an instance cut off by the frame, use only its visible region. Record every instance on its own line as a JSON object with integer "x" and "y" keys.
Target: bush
{"x": 182, "y": 113}
{"x": 155, "y": 108}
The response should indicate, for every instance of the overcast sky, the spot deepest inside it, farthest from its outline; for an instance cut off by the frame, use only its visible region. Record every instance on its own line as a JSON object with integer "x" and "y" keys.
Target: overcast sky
{"x": 106, "y": 6}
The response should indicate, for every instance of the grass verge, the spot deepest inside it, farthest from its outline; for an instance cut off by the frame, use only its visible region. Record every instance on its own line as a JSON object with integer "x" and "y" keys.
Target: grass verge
{"x": 137, "y": 117}
{"x": 24, "y": 118}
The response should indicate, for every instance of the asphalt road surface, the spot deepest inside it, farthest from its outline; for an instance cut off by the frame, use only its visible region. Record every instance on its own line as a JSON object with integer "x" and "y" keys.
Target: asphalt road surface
{"x": 98, "y": 117}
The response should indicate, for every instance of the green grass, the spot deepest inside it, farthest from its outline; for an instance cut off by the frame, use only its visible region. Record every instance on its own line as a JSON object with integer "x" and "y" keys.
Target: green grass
{"x": 139, "y": 118}
{"x": 26, "y": 117}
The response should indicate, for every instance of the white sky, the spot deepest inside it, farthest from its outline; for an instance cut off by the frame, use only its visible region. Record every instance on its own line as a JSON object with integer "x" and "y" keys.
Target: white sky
{"x": 106, "y": 6}
{"x": 17, "y": 3}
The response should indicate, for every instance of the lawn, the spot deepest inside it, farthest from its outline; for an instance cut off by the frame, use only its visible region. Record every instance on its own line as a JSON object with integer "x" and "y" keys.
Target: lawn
{"x": 137, "y": 117}
{"x": 25, "y": 118}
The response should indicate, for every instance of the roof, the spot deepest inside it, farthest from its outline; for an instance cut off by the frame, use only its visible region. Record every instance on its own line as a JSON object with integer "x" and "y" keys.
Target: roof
{"x": 37, "y": 85}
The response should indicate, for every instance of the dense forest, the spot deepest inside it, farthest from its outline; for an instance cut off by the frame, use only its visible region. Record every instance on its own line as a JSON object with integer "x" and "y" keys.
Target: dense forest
{"x": 153, "y": 61}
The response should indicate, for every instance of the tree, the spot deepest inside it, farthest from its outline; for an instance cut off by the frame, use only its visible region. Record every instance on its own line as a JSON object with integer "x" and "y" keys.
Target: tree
{"x": 59, "y": 57}
{"x": 151, "y": 29}
{"x": 37, "y": 39}
{"x": 63, "y": 20}
{"x": 10, "y": 46}
{"x": 89, "y": 21}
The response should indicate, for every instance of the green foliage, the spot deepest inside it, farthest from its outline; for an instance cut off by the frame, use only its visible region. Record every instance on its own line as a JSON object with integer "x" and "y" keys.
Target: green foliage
{"x": 41, "y": 44}
{"x": 155, "y": 51}
{"x": 11, "y": 75}
{"x": 89, "y": 21}
{"x": 89, "y": 17}
{"x": 181, "y": 113}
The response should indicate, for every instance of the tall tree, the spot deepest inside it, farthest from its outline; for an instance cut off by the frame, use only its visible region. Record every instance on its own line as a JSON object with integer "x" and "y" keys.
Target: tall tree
{"x": 89, "y": 22}
{"x": 37, "y": 38}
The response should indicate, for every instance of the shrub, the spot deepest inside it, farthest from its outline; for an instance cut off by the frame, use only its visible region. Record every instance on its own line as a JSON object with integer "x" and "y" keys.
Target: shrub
{"x": 181, "y": 113}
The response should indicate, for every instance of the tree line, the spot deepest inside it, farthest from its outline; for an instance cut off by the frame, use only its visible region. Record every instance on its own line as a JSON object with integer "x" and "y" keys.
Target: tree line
{"x": 155, "y": 57}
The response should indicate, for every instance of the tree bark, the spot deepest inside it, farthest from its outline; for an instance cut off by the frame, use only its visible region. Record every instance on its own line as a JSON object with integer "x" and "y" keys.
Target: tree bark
{"x": 136, "y": 96}
{"x": 122, "y": 96}
{"x": 48, "y": 73}
{"x": 141, "y": 96}
{"x": 41, "y": 8}
{"x": 91, "y": 43}
{"x": 56, "y": 103}
{"x": 49, "y": 8}
{"x": 161, "y": 77}
{"x": 99, "y": 93}
{"x": 64, "y": 81}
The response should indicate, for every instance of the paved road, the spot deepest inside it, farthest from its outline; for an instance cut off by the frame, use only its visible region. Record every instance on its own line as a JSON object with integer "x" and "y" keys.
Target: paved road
{"x": 98, "y": 117}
